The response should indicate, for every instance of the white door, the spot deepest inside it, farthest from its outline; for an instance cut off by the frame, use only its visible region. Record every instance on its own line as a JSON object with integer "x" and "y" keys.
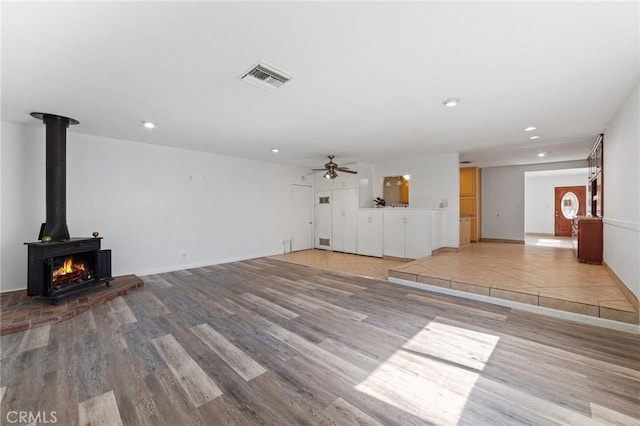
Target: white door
{"x": 350, "y": 220}
{"x": 323, "y": 203}
{"x": 302, "y": 217}
{"x": 344, "y": 220}
{"x": 337, "y": 221}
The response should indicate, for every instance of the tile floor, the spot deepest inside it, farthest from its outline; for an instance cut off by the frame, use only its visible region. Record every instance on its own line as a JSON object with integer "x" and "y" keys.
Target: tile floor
{"x": 373, "y": 267}
{"x": 543, "y": 272}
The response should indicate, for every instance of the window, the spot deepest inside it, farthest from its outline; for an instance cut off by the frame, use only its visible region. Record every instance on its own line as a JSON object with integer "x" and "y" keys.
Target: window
{"x": 570, "y": 205}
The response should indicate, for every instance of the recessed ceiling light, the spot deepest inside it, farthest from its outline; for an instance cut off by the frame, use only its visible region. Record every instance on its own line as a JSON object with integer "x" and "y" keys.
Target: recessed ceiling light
{"x": 274, "y": 150}
{"x": 530, "y": 129}
{"x": 542, "y": 154}
{"x": 450, "y": 102}
{"x": 148, "y": 124}
{"x": 534, "y": 137}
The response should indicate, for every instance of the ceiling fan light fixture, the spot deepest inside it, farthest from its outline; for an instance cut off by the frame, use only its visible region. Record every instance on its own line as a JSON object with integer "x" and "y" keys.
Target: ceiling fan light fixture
{"x": 331, "y": 174}
{"x": 331, "y": 169}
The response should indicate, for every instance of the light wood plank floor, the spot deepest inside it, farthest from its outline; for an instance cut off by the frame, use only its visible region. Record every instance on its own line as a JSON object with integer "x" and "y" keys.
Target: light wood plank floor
{"x": 271, "y": 342}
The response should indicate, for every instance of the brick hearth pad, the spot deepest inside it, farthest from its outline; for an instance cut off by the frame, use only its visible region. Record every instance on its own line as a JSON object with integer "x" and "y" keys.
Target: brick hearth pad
{"x": 19, "y": 312}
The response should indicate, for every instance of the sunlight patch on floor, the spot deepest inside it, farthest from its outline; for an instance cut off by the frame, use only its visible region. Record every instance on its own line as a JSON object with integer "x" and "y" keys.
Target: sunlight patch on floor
{"x": 556, "y": 242}
{"x": 454, "y": 344}
{"x": 434, "y": 373}
{"x": 545, "y": 242}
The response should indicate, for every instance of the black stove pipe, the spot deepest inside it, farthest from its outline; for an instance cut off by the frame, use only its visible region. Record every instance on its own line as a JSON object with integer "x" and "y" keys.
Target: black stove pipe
{"x": 55, "y": 226}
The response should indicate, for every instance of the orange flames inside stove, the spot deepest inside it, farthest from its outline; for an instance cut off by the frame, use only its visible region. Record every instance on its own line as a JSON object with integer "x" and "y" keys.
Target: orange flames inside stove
{"x": 69, "y": 271}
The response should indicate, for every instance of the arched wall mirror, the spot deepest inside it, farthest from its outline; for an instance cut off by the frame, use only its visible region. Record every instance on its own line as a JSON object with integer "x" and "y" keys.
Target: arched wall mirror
{"x": 395, "y": 190}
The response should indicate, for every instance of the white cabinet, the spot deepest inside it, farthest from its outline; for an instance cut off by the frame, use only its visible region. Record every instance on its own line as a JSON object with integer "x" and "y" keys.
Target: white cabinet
{"x": 344, "y": 220}
{"x": 407, "y": 233}
{"x": 418, "y": 234}
{"x": 370, "y": 230}
{"x": 394, "y": 233}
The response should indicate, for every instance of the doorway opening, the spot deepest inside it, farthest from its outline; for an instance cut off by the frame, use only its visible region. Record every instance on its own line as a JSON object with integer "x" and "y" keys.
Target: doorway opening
{"x": 540, "y": 205}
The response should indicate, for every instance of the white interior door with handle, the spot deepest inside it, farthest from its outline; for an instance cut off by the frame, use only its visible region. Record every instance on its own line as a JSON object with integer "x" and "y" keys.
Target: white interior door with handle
{"x": 302, "y": 217}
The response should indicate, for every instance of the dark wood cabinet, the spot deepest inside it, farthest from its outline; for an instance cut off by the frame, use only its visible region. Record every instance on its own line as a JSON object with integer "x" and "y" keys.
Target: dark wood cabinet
{"x": 587, "y": 239}
{"x": 587, "y": 230}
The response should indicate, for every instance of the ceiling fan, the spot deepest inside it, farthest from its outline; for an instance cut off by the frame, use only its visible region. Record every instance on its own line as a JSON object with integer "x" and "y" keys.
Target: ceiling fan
{"x": 332, "y": 168}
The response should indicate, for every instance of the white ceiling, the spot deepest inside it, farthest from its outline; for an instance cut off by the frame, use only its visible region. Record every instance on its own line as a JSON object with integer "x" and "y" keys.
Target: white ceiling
{"x": 369, "y": 78}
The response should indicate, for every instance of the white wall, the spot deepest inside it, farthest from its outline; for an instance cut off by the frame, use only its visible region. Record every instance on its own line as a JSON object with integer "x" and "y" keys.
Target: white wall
{"x": 151, "y": 204}
{"x": 1, "y": 180}
{"x": 503, "y": 198}
{"x": 539, "y": 199}
{"x": 365, "y": 185}
{"x": 433, "y": 178}
{"x": 621, "y": 154}
{"x": 23, "y": 185}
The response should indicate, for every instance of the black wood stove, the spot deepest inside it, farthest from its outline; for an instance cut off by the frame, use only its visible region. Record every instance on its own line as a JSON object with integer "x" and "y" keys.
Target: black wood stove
{"x": 59, "y": 266}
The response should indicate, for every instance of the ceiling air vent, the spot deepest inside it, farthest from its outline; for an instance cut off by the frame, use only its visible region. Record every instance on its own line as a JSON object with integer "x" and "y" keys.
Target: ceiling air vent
{"x": 264, "y": 75}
